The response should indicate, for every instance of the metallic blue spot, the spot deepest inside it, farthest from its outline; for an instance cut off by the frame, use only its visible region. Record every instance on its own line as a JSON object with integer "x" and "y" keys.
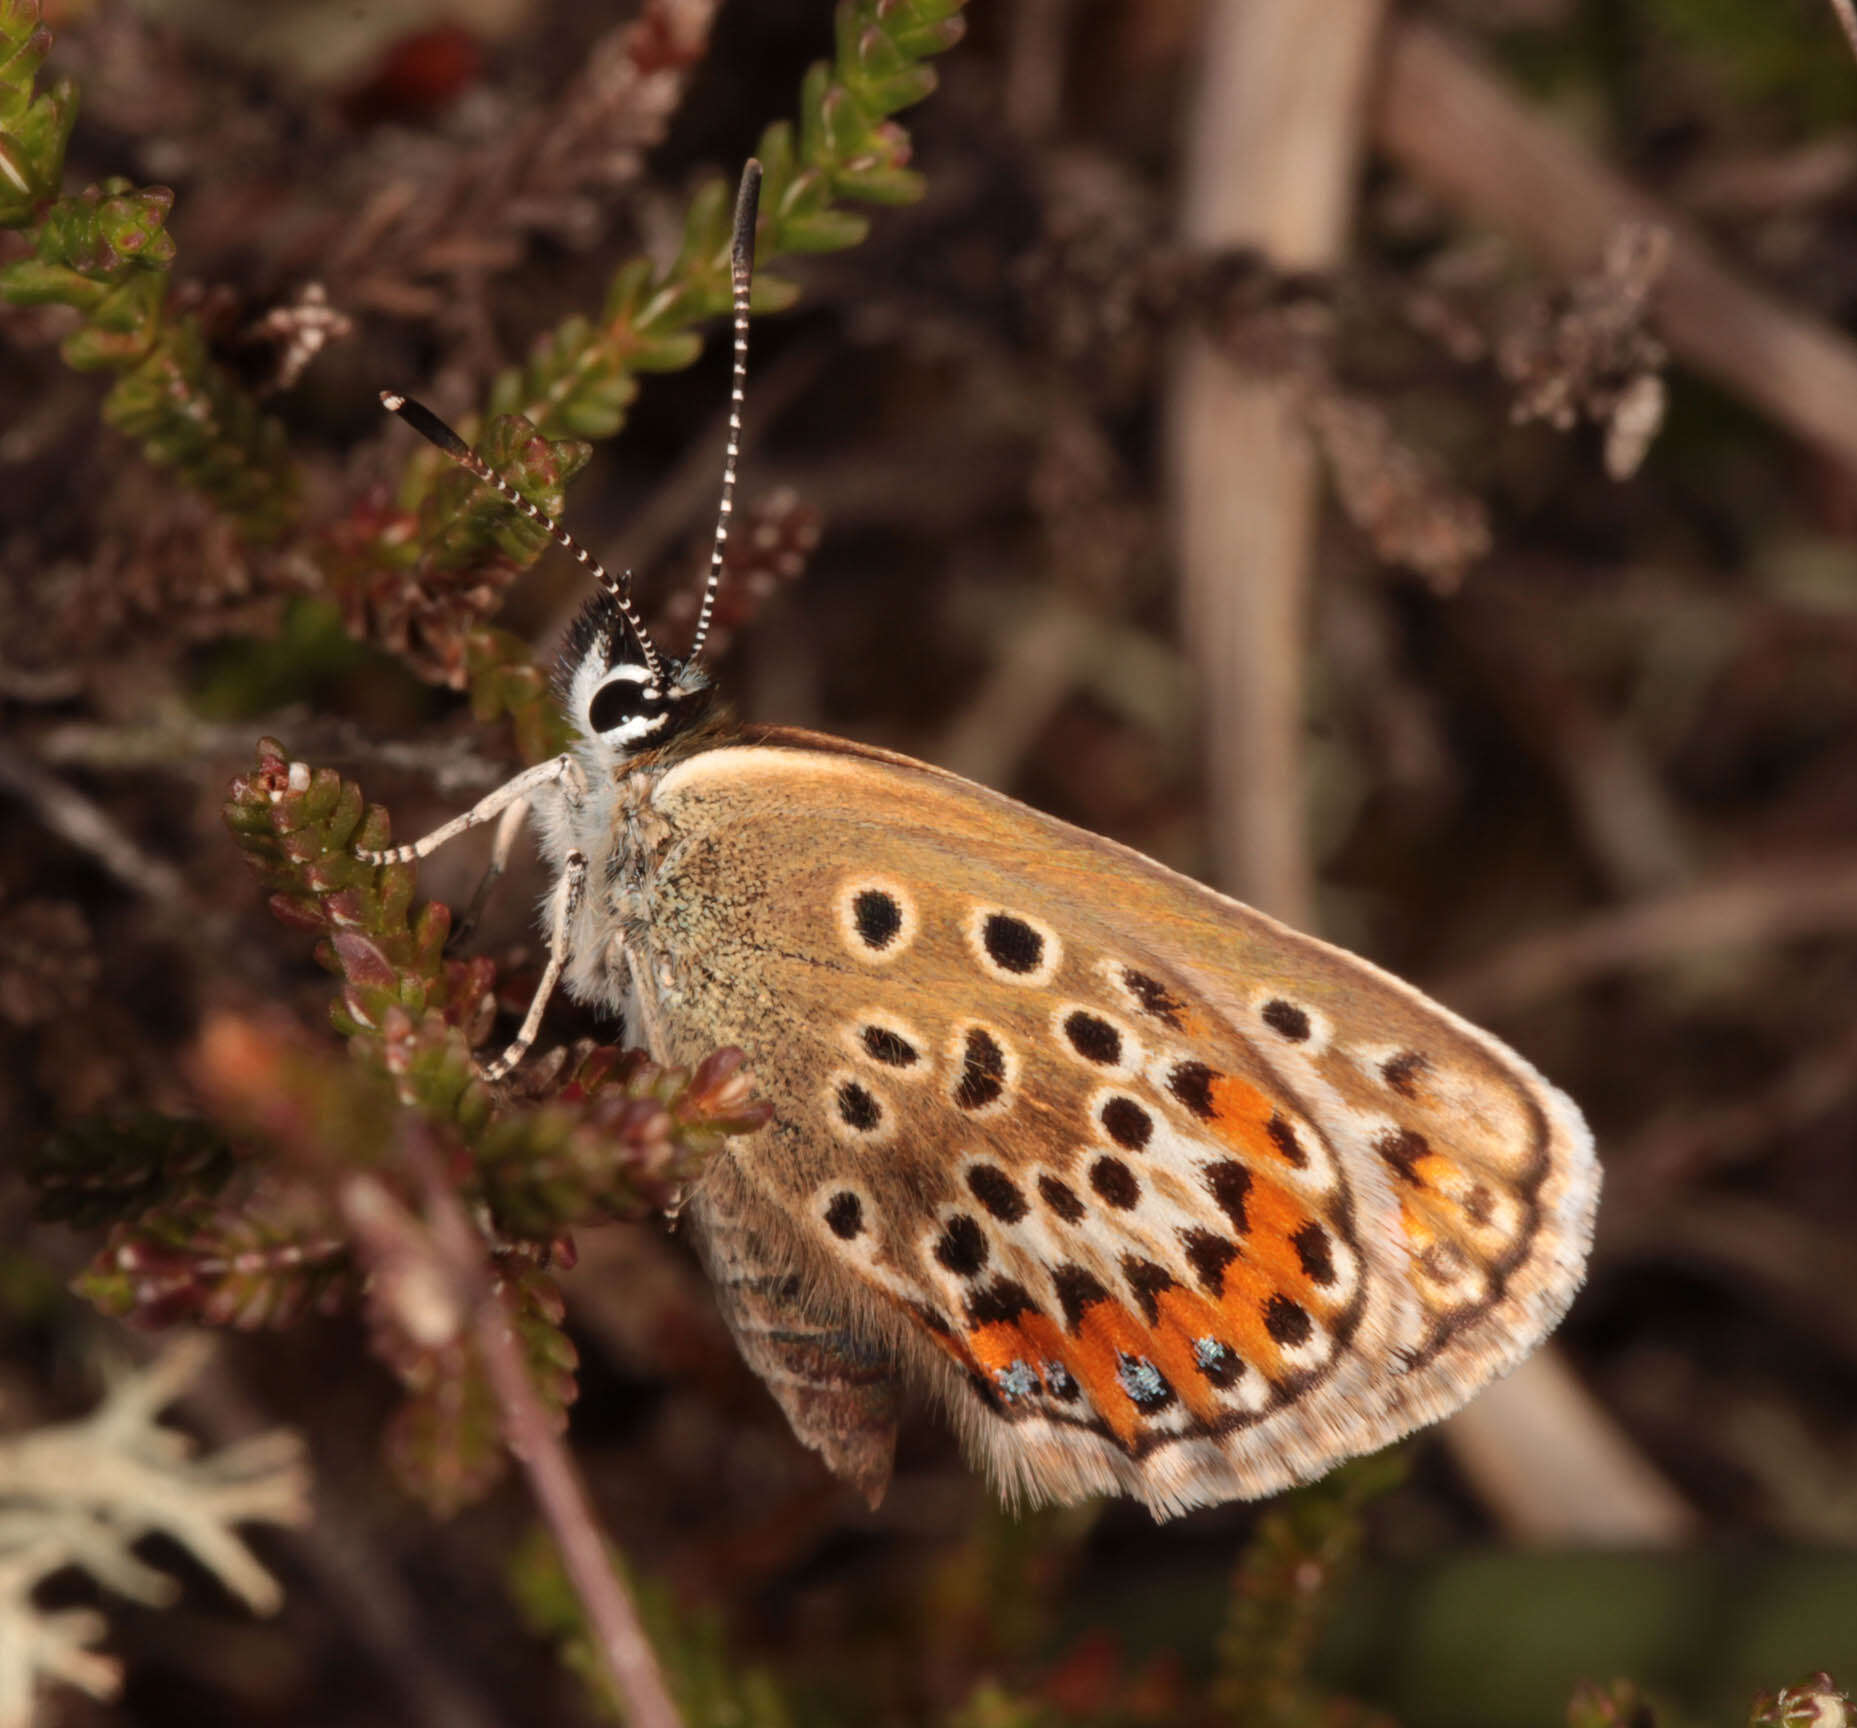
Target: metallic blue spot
{"x": 1218, "y": 1361}
{"x": 1019, "y": 1380}
{"x": 1141, "y": 1380}
{"x": 1059, "y": 1381}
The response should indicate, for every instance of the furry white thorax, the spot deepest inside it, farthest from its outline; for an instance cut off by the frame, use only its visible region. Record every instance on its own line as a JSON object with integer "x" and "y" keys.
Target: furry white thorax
{"x": 579, "y": 810}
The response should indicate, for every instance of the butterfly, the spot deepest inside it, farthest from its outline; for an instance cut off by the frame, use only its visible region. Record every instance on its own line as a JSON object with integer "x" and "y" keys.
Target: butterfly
{"x": 1158, "y": 1196}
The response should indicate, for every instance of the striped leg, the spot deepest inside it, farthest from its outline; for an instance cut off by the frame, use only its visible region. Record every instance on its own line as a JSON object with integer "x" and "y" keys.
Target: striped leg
{"x": 568, "y": 893}
{"x": 563, "y": 770}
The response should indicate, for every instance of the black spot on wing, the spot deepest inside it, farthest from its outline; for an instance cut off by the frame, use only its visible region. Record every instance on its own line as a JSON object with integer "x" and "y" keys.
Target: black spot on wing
{"x": 983, "y": 1070}
{"x": 1286, "y": 1020}
{"x": 1011, "y": 943}
{"x": 997, "y": 1192}
{"x": 877, "y": 917}
{"x": 963, "y": 1246}
{"x": 1062, "y": 1199}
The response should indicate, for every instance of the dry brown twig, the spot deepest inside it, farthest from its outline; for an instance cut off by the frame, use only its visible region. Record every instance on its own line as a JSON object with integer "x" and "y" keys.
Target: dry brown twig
{"x": 1749, "y": 909}
{"x": 1276, "y": 138}
{"x": 461, "y": 216}
{"x": 444, "y": 1287}
{"x": 1846, "y": 14}
{"x": 1458, "y": 129}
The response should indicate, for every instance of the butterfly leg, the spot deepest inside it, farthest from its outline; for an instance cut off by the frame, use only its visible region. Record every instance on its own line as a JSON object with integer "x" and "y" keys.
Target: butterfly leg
{"x": 562, "y": 771}
{"x": 568, "y": 893}
{"x": 509, "y": 825}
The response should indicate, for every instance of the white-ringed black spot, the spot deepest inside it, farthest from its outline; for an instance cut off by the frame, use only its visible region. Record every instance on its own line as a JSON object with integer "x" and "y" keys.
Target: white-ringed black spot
{"x": 1286, "y": 1020}
{"x": 1229, "y": 1183}
{"x": 1126, "y": 1123}
{"x": 1061, "y": 1198}
{"x": 1154, "y": 998}
{"x": 1283, "y": 1137}
{"x": 1287, "y": 1322}
{"x": 1115, "y": 1182}
{"x": 844, "y": 1217}
{"x": 1011, "y": 943}
{"x": 962, "y": 1247}
{"x": 1402, "y": 1072}
{"x": 892, "y": 1049}
{"x": 997, "y": 1192}
{"x": 877, "y": 917}
{"x": 1093, "y": 1038}
{"x": 858, "y": 1109}
{"x": 1316, "y": 1253}
{"x": 1191, "y": 1083}
{"x": 1404, "y": 1149}
{"x": 983, "y": 1070}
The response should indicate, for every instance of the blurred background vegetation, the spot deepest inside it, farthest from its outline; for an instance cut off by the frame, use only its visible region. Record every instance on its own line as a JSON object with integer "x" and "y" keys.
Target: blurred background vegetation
{"x": 1397, "y": 463}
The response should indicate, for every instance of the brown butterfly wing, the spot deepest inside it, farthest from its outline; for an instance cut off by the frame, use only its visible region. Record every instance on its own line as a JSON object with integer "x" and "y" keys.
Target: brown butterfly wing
{"x": 1165, "y": 1198}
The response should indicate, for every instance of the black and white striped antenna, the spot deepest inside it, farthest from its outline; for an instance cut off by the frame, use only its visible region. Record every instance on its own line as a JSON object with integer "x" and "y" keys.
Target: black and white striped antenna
{"x": 741, "y": 284}
{"x": 430, "y": 427}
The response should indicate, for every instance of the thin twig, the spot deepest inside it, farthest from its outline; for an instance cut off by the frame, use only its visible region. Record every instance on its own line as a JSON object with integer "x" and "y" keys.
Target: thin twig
{"x": 555, "y": 1480}
{"x": 1275, "y": 148}
{"x": 1457, "y": 127}
{"x": 1555, "y": 1468}
{"x": 1038, "y": 667}
{"x": 1847, "y": 18}
{"x": 76, "y": 819}
{"x": 1806, "y": 897}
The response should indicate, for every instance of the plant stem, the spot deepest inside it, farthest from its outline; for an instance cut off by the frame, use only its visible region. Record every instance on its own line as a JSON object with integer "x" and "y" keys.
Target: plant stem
{"x": 554, "y": 1479}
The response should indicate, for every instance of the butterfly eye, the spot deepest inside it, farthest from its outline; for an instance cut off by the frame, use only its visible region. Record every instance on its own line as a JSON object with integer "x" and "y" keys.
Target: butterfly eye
{"x": 629, "y": 705}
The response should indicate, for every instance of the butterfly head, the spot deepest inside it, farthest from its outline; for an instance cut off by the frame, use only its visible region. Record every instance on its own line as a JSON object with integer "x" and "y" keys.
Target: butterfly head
{"x": 622, "y": 695}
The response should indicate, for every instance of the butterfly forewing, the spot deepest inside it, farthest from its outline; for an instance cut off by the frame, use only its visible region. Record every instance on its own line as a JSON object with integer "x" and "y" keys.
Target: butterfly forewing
{"x": 1162, "y": 1196}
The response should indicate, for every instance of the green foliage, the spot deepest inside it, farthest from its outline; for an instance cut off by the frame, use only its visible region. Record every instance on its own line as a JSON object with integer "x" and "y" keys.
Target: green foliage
{"x": 319, "y": 1190}
{"x": 444, "y": 1444}
{"x": 710, "y": 1689}
{"x": 422, "y": 576}
{"x": 1788, "y": 58}
{"x": 105, "y": 252}
{"x": 1305, "y": 1546}
{"x": 259, "y": 1263}
{"x": 102, "y": 1170}
{"x": 34, "y": 128}
{"x": 580, "y": 378}
{"x": 615, "y": 1141}
{"x": 1816, "y": 1702}
{"x": 997, "y": 1591}
{"x": 618, "y": 1139}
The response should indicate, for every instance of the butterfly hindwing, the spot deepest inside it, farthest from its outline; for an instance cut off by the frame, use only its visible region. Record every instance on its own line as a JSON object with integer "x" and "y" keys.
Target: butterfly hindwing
{"x": 1163, "y": 1197}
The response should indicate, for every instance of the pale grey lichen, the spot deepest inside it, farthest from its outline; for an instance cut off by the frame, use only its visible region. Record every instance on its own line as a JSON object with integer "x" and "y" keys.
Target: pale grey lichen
{"x": 84, "y": 1493}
